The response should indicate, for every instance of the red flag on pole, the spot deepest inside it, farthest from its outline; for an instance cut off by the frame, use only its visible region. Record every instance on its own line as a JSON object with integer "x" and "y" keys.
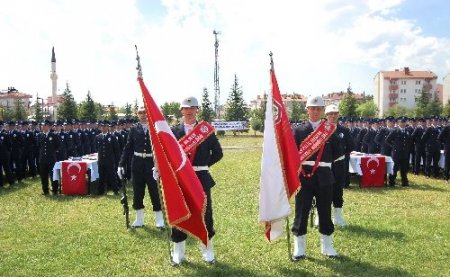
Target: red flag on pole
{"x": 73, "y": 178}
{"x": 279, "y": 165}
{"x": 182, "y": 191}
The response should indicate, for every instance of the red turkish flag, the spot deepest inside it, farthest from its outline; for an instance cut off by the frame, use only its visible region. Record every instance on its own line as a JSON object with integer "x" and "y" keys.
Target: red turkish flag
{"x": 73, "y": 175}
{"x": 373, "y": 171}
{"x": 182, "y": 191}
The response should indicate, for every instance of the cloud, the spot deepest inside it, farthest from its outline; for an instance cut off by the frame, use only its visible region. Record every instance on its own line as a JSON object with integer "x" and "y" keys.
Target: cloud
{"x": 318, "y": 47}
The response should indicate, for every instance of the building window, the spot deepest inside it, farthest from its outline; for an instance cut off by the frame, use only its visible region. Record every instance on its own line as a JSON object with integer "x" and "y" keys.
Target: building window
{"x": 403, "y": 83}
{"x": 393, "y": 82}
{"x": 418, "y": 82}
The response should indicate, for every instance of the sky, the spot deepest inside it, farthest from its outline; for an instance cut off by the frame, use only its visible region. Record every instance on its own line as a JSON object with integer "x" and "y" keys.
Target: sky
{"x": 318, "y": 46}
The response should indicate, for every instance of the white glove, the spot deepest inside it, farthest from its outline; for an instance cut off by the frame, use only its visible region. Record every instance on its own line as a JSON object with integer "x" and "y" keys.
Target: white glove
{"x": 155, "y": 174}
{"x": 120, "y": 172}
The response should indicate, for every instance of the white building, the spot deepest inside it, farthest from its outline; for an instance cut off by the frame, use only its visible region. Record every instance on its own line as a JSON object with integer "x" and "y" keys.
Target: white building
{"x": 446, "y": 90}
{"x": 402, "y": 87}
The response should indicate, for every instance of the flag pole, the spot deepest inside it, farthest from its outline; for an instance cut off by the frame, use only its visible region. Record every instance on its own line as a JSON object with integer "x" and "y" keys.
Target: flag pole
{"x": 288, "y": 235}
{"x": 158, "y": 182}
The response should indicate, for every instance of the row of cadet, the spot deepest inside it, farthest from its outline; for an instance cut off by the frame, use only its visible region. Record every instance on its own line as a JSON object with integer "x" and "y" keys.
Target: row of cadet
{"x": 30, "y": 148}
{"x": 421, "y": 146}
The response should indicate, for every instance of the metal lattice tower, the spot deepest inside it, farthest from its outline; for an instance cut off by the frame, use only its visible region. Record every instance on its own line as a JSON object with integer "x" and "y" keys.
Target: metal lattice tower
{"x": 216, "y": 77}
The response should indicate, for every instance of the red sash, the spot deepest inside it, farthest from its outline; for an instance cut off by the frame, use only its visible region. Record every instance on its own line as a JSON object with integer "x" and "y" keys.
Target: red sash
{"x": 313, "y": 143}
{"x": 196, "y": 136}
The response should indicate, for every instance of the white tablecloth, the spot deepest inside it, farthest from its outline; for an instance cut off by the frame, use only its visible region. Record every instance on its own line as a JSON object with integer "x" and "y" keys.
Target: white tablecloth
{"x": 91, "y": 164}
{"x": 355, "y": 163}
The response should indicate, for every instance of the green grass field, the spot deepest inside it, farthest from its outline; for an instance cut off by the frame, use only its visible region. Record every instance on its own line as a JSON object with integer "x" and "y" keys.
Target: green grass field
{"x": 392, "y": 231}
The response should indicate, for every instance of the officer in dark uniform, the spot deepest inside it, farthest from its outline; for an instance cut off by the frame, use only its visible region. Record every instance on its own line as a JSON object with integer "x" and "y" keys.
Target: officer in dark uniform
{"x": 318, "y": 184}
{"x": 361, "y": 146}
{"x": 444, "y": 138}
{"x": 48, "y": 143}
{"x": 86, "y": 138}
{"x": 207, "y": 154}
{"x": 71, "y": 138}
{"x": 432, "y": 148}
{"x": 419, "y": 146}
{"x": 354, "y": 131}
{"x": 400, "y": 139}
{"x": 341, "y": 164}
{"x": 369, "y": 137}
{"x": 28, "y": 159}
{"x": 61, "y": 153}
{"x": 17, "y": 141}
{"x": 93, "y": 132}
{"x": 5, "y": 146}
{"x": 108, "y": 158}
{"x": 382, "y": 134}
{"x": 139, "y": 149}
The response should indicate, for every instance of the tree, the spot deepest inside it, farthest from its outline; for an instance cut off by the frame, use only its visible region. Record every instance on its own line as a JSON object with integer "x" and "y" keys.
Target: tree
{"x": 434, "y": 107}
{"x": 39, "y": 113}
{"x": 421, "y": 104}
{"x": 112, "y": 114}
{"x": 367, "y": 109}
{"x": 68, "y": 108}
{"x": 88, "y": 109}
{"x": 19, "y": 112}
{"x": 257, "y": 120}
{"x": 398, "y": 110}
{"x": 297, "y": 111}
{"x": 446, "y": 109}
{"x": 171, "y": 110}
{"x": 235, "y": 107}
{"x": 206, "y": 112}
{"x": 128, "y": 111}
{"x": 347, "y": 107}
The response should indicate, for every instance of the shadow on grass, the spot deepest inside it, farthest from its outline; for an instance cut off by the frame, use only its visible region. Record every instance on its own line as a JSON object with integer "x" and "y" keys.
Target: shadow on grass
{"x": 15, "y": 188}
{"x": 346, "y": 266}
{"x": 416, "y": 186}
{"x": 374, "y": 233}
{"x": 217, "y": 269}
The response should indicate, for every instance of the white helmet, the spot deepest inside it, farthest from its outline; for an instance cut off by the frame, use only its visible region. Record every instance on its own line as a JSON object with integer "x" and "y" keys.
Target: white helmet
{"x": 331, "y": 109}
{"x": 189, "y": 102}
{"x": 315, "y": 101}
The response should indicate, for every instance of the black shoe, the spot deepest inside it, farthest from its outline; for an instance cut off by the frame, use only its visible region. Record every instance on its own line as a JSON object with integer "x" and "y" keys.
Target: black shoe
{"x": 44, "y": 193}
{"x": 298, "y": 258}
{"x": 405, "y": 185}
{"x": 392, "y": 184}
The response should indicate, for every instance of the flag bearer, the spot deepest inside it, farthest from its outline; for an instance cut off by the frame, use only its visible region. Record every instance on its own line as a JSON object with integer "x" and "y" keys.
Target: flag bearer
{"x": 317, "y": 181}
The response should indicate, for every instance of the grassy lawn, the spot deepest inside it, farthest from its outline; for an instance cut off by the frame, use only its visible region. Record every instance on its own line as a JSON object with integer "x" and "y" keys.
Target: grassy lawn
{"x": 392, "y": 231}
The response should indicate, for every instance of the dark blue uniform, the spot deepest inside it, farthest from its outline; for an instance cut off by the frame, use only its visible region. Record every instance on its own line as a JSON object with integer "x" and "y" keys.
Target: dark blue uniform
{"x": 48, "y": 145}
{"x": 108, "y": 158}
{"x": 207, "y": 153}
{"x": 444, "y": 138}
{"x": 401, "y": 141}
{"x": 5, "y": 146}
{"x": 432, "y": 150}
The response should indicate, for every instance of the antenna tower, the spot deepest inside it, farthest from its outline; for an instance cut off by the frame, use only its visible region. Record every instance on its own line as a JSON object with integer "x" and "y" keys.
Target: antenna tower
{"x": 216, "y": 77}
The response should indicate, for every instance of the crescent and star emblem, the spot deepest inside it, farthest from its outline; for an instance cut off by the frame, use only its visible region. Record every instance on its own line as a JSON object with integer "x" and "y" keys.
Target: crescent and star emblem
{"x": 78, "y": 166}
{"x": 277, "y": 111}
{"x": 161, "y": 126}
{"x": 371, "y": 159}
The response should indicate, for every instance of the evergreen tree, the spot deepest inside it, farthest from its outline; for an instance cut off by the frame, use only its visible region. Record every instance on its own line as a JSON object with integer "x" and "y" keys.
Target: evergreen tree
{"x": 206, "y": 111}
{"x": 19, "y": 112}
{"x": 235, "y": 107}
{"x": 112, "y": 114}
{"x": 68, "y": 108}
{"x": 88, "y": 109}
{"x": 347, "y": 107}
{"x": 128, "y": 111}
{"x": 421, "y": 104}
{"x": 135, "y": 108}
{"x": 257, "y": 120}
{"x": 39, "y": 113}
{"x": 434, "y": 107}
{"x": 446, "y": 109}
{"x": 171, "y": 110}
{"x": 296, "y": 112}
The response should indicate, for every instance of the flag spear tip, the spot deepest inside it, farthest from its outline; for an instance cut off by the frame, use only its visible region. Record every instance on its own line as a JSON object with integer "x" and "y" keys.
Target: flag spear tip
{"x": 138, "y": 67}
{"x": 271, "y": 60}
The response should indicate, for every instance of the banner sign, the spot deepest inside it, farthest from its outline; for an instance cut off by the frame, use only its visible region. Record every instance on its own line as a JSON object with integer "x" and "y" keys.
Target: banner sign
{"x": 195, "y": 137}
{"x": 230, "y": 125}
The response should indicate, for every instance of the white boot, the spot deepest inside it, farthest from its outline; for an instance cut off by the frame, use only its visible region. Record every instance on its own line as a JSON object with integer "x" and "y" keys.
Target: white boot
{"x": 208, "y": 252}
{"x": 299, "y": 247}
{"x": 316, "y": 218}
{"x": 326, "y": 246}
{"x": 139, "y": 222}
{"x": 159, "y": 220}
{"x": 338, "y": 218}
{"x": 179, "y": 248}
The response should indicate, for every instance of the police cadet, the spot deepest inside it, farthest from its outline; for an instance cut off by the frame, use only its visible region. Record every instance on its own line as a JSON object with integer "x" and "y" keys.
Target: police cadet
{"x": 340, "y": 165}
{"x": 28, "y": 159}
{"x": 48, "y": 143}
{"x": 383, "y": 132}
{"x": 419, "y": 146}
{"x": 369, "y": 137}
{"x": 207, "y": 153}
{"x": 317, "y": 181}
{"x": 139, "y": 149}
{"x": 444, "y": 138}
{"x": 400, "y": 139}
{"x": 432, "y": 148}
{"x": 108, "y": 157}
{"x": 61, "y": 153}
{"x": 5, "y": 146}
{"x": 17, "y": 141}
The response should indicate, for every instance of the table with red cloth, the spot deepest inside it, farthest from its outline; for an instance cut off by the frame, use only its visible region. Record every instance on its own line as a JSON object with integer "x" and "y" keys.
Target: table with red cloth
{"x": 72, "y": 174}
{"x": 371, "y": 168}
